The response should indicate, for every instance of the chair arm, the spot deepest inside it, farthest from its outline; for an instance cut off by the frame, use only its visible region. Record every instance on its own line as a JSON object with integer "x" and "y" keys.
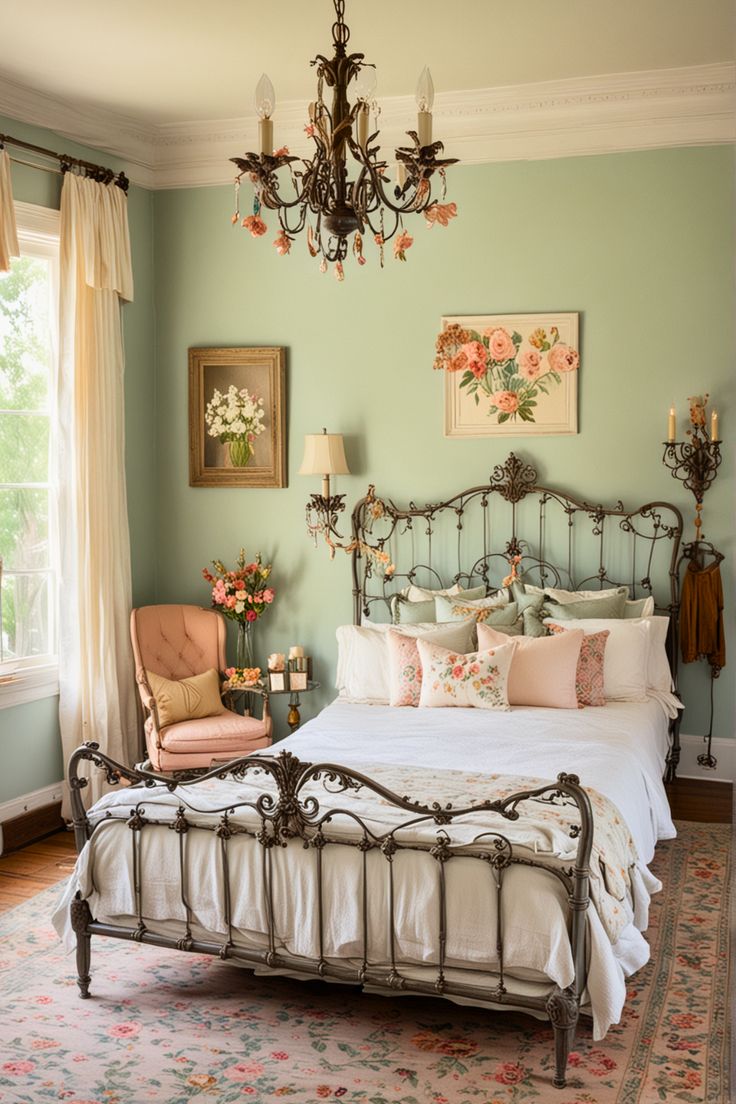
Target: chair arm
{"x": 149, "y": 701}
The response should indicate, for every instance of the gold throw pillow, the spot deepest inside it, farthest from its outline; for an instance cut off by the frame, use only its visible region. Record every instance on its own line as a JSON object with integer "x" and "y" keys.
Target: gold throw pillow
{"x": 187, "y": 699}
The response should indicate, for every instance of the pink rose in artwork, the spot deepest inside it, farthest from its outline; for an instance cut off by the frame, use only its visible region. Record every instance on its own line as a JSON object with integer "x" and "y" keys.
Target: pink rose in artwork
{"x": 475, "y": 352}
{"x": 124, "y": 1030}
{"x": 500, "y": 345}
{"x": 563, "y": 358}
{"x": 251, "y": 615}
{"x": 530, "y": 364}
{"x": 457, "y": 672}
{"x": 268, "y": 595}
{"x": 506, "y": 401}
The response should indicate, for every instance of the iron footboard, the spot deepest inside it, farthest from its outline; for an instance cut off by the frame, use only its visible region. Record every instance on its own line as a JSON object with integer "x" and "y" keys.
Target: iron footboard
{"x": 285, "y": 814}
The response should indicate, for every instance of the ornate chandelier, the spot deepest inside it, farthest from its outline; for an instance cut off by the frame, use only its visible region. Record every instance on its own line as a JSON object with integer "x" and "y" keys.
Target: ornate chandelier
{"x": 343, "y": 193}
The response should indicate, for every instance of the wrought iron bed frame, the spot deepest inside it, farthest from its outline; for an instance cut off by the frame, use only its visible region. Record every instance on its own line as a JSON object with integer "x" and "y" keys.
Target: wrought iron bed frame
{"x": 378, "y": 525}
{"x": 289, "y": 816}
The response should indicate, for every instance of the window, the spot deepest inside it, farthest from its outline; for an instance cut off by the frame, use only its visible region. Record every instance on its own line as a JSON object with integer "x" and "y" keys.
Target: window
{"x": 28, "y": 349}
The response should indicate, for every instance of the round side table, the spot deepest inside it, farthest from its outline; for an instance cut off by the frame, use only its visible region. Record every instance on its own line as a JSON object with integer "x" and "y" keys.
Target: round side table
{"x": 294, "y": 718}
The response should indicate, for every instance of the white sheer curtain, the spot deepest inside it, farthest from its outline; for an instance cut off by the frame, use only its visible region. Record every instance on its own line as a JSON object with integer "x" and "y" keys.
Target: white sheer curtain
{"x": 8, "y": 233}
{"x": 95, "y": 663}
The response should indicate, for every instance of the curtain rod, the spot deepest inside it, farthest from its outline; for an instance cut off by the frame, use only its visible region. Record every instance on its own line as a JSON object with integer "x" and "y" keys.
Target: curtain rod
{"x": 67, "y": 163}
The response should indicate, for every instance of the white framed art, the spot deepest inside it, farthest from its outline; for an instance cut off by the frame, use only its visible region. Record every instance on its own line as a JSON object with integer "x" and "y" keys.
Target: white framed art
{"x": 509, "y": 374}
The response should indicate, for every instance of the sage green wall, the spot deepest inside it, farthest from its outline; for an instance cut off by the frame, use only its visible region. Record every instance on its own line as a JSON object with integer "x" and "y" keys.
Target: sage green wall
{"x": 29, "y": 734}
{"x": 641, "y": 244}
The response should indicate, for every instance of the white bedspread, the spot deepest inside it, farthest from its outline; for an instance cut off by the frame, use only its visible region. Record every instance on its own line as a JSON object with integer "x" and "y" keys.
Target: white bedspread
{"x": 618, "y": 750}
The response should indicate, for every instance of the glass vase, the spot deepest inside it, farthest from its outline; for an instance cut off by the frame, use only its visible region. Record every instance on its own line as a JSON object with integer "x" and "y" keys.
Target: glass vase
{"x": 244, "y": 645}
{"x": 240, "y": 452}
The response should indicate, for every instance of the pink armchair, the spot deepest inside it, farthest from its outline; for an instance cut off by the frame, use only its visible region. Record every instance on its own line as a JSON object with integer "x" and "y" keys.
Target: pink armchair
{"x": 176, "y": 642}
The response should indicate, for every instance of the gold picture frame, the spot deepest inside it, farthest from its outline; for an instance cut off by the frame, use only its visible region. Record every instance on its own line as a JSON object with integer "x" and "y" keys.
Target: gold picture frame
{"x": 250, "y": 449}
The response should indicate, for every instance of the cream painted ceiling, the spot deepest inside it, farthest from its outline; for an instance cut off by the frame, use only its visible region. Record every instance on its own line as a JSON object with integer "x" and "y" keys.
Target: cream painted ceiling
{"x": 161, "y": 61}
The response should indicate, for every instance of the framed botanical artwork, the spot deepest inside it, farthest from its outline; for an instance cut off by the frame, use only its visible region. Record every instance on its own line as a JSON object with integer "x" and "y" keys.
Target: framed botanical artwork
{"x": 509, "y": 374}
{"x": 237, "y": 411}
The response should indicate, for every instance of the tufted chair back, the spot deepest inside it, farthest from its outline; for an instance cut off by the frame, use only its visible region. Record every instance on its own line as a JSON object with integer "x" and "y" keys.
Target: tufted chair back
{"x": 177, "y": 641}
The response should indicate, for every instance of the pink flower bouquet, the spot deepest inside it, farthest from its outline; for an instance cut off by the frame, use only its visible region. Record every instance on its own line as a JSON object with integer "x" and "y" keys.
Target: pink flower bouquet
{"x": 242, "y": 595}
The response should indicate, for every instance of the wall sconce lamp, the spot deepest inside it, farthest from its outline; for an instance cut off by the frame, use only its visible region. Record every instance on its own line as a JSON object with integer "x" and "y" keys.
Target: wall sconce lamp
{"x": 694, "y": 461}
{"x": 324, "y": 454}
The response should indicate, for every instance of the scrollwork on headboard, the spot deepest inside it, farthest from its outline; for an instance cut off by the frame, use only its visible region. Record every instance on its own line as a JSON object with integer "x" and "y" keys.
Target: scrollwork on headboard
{"x": 564, "y": 541}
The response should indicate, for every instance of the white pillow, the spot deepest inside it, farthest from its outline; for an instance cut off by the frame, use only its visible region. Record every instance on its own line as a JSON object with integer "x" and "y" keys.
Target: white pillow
{"x": 625, "y": 660}
{"x": 659, "y": 675}
{"x": 478, "y": 680}
{"x": 363, "y": 667}
{"x": 564, "y": 597}
{"x": 426, "y": 594}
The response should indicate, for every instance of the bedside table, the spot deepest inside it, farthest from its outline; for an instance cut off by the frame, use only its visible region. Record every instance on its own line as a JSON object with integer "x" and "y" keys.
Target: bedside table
{"x": 294, "y": 718}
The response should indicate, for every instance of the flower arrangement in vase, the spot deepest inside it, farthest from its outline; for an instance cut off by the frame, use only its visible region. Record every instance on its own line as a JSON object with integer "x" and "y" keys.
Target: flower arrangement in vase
{"x": 236, "y": 419}
{"x": 241, "y": 595}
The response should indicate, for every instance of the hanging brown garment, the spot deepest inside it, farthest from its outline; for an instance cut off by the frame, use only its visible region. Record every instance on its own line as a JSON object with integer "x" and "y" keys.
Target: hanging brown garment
{"x": 701, "y": 615}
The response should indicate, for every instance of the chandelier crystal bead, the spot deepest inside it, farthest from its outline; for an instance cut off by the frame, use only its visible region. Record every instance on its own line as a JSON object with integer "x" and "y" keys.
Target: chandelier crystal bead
{"x": 343, "y": 194}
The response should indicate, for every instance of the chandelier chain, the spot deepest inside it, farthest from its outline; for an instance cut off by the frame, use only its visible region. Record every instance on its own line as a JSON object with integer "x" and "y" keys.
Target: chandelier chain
{"x": 340, "y": 29}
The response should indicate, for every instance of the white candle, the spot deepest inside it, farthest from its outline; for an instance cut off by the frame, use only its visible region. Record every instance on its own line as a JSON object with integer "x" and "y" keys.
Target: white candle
{"x": 400, "y": 174}
{"x": 363, "y": 126}
{"x": 424, "y": 127}
{"x": 672, "y": 425}
{"x": 296, "y": 652}
{"x": 714, "y": 426}
{"x": 265, "y": 130}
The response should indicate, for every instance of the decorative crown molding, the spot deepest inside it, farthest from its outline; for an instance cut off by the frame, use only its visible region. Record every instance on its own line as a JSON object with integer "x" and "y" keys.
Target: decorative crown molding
{"x": 613, "y": 113}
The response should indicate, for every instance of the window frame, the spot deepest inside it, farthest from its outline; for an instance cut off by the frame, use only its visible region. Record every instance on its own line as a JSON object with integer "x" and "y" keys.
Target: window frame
{"x": 38, "y": 676}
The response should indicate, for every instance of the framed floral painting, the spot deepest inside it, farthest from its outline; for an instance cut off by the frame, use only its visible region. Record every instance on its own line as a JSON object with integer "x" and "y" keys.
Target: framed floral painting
{"x": 237, "y": 418}
{"x": 509, "y": 374}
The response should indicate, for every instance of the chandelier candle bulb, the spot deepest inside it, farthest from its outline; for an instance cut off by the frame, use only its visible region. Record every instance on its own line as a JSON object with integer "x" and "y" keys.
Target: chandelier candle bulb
{"x": 363, "y": 119}
{"x": 714, "y": 426}
{"x": 265, "y": 131}
{"x": 401, "y": 174}
{"x": 672, "y": 425}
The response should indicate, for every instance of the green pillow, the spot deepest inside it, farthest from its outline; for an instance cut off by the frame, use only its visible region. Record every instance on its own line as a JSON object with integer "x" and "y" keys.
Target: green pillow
{"x": 531, "y": 609}
{"x": 404, "y": 612}
{"x": 460, "y": 608}
{"x": 613, "y": 606}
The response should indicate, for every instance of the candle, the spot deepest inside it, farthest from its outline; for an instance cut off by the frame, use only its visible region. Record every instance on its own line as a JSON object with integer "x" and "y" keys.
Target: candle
{"x": 363, "y": 126}
{"x": 672, "y": 425}
{"x": 296, "y": 652}
{"x": 400, "y": 174}
{"x": 714, "y": 426}
{"x": 424, "y": 127}
{"x": 265, "y": 129}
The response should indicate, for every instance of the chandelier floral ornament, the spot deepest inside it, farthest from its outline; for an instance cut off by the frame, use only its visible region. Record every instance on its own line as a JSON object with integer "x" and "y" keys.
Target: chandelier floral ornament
{"x": 343, "y": 193}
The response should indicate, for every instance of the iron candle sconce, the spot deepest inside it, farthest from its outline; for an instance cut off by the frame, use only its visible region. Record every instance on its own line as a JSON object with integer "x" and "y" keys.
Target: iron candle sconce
{"x": 695, "y": 461}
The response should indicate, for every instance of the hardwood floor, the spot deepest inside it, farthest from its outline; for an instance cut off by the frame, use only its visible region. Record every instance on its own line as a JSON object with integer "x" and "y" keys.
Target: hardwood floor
{"x": 698, "y": 799}
{"x": 26, "y": 872}
{"x": 33, "y": 868}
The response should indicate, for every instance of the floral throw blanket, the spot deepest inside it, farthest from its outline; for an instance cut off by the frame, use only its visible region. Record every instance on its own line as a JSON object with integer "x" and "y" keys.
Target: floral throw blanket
{"x": 542, "y": 829}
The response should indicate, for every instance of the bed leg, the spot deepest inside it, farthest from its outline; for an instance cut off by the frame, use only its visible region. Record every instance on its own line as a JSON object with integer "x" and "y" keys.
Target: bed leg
{"x": 80, "y": 918}
{"x": 562, "y": 1009}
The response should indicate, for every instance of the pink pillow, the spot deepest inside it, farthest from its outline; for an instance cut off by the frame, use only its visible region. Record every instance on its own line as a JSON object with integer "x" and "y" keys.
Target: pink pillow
{"x": 405, "y": 669}
{"x": 589, "y": 684}
{"x": 544, "y": 669}
{"x": 477, "y": 680}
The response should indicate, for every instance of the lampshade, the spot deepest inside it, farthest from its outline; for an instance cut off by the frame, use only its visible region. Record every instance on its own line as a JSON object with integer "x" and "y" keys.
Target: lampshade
{"x": 324, "y": 454}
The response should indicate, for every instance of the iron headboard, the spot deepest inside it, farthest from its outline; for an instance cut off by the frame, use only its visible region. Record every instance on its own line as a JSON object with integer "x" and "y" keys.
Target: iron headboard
{"x": 563, "y": 541}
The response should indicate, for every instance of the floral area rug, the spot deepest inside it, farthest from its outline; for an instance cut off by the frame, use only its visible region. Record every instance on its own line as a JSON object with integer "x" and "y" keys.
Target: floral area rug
{"x": 168, "y": 1027}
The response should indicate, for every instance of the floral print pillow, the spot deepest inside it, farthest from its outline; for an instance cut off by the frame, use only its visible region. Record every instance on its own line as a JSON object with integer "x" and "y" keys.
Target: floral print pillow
{"x": 405, "y": 669}
{"x": 589, "y": 675}
{"x": 478, "y": 679}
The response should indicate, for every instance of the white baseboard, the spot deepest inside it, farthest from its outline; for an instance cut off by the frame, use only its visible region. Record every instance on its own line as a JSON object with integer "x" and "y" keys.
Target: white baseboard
{"x": 26, "y": 803}
{"x": 723, "y": 749}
